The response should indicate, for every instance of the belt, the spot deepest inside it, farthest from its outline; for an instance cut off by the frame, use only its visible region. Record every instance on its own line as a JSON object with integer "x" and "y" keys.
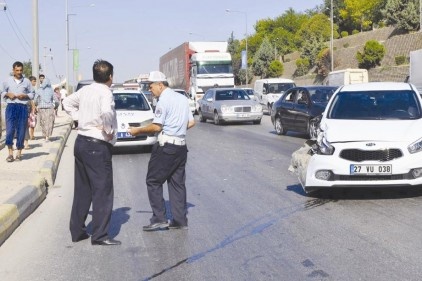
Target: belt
{"x": 90, "y": 139}
{"x": 163, "y": 139}
{"x": 175, "y": 142}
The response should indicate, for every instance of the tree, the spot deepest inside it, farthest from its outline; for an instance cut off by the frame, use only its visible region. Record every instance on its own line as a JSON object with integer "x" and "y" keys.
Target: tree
{"x": 262, "y": 59}
{"x": 373, "y": 53}
{"x": 323, "y": 62}
{"x": 404, "y": 14}
{"x": 275, "y": 69}
{"x": 311, "y": 48}
{"x": 360, "y": 12}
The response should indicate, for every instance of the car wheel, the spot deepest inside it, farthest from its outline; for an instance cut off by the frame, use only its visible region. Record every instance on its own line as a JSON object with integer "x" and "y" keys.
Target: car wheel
{"x": 257, "y": 122}
{"x": 279, "y": 129}
{"x": 216, "y": 119}
{"x": 312, "y": 130}
{"x": 201, "y": 117}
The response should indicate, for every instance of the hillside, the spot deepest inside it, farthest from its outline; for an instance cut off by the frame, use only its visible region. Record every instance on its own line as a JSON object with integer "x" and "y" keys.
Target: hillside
{"x": 345, "y": 55}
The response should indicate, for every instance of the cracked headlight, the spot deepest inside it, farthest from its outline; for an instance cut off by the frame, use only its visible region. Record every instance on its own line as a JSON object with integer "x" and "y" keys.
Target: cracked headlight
{"x": 325, "y": 147}
{"x": 415, "y": 147}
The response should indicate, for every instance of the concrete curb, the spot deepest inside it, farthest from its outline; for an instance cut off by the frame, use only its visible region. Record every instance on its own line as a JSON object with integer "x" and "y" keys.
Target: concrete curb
{"x": 17, "y": 208}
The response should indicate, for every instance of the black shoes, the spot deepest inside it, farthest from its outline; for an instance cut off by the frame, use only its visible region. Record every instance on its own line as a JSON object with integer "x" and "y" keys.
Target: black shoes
{"x": 107, "y": 242}
{"x": 155, "y": 226}
{"x": 174, "y": 225}
{"x": 80, "y": 238}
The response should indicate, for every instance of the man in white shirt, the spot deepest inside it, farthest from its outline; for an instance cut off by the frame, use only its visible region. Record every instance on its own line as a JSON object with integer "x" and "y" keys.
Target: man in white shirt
{"x": 94, "y": 105}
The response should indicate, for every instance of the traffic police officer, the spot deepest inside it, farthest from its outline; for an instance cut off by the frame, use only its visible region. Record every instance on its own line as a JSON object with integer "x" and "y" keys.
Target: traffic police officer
{"x": 169, "y": 154}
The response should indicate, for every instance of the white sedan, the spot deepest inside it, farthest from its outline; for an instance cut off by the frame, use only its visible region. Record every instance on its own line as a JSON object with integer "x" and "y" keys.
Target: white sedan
{"x": 370, "y": 136}
{"x": 133, "y": 110}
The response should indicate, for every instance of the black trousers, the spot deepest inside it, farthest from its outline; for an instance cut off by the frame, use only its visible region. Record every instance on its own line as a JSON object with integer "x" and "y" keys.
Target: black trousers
{"x": 93, "y": 184}
{"x": 167, "y": 163}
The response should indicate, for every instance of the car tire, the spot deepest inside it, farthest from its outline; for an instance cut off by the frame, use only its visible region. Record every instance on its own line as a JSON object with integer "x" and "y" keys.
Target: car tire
{"x": 279, "y": 129}
{"x": 216, "y": 119}
{"x": 312, "y": 130}
{"x": 201, "y": 117}
{"x": 257, "y": 122}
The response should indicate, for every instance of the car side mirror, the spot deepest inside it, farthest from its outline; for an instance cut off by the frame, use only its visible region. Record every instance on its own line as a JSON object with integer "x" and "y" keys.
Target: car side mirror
{"x": 264, "y": 92}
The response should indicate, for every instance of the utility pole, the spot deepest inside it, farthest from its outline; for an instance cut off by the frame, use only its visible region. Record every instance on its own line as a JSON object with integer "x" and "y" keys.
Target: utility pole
{"x": 35, "y": 41}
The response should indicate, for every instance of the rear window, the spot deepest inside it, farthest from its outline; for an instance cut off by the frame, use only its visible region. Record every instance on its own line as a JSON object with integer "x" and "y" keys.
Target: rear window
{"x": 375, "y": 105}
{"x": 130, "y": 102}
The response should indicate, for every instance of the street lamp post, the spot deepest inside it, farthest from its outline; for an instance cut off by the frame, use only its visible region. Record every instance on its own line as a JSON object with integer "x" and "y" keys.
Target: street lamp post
{"x": 246, "y": 40}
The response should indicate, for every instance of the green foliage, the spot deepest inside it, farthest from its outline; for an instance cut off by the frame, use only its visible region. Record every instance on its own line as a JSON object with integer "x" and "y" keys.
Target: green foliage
{"x": 372, "y": 54}
{"x": 302, "y": 66}
{"x": 318, "y": 26}
{"x": 311, "y": 47}
{"x": 275, "y": 69}
{"x": 262, "y": 59}
{"x": 27, "y": 68}
{"x": 360, "y": 13}
{"x": 323, "y": 62}
{"x": 344, "y": 34}
{"x": 355, "y": 31}
{"x": 404, "y": 14}
{"x": 400, "y": 59}
{"x": 346, "y": 45}
{"x": 242, "y": 76}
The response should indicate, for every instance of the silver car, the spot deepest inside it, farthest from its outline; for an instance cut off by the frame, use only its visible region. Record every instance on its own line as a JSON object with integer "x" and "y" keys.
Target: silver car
{"x": 229, "y": 105}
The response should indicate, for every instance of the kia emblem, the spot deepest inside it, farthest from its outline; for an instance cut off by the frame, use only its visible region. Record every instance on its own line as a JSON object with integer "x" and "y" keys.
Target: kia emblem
{"x": 370, "y": 144}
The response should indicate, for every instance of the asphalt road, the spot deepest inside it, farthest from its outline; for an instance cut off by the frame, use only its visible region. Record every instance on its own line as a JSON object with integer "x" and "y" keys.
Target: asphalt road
{"x": 248, "y": 220}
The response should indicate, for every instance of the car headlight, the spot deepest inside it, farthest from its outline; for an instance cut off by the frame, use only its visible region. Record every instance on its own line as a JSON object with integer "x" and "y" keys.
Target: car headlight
{"x": 227, "y": 109}
{"x": 325, "y": 147}
{"x": 415, "y": 147}
{"x": 257, "y": 108}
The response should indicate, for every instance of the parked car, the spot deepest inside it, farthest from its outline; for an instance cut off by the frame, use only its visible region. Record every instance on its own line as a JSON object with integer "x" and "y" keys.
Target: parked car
{"x": 297, "y": 107}
{"x": 370, "y": 137}
{"x": 229, "y": 105}
{"x": 132, "y": 110}
{"x": 83, "y": 83}
{"x": 191, "y": 102}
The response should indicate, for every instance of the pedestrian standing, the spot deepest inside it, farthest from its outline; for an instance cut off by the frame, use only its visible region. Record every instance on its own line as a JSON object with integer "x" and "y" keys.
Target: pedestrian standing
{"x": 93, "y": 156}
{"x": 17, "y": 91}
{"x": 45, "y": 101}
{"x": 32, "y": 119}
{"x": 58, "y": 98}
{"x": 168, "y": 156}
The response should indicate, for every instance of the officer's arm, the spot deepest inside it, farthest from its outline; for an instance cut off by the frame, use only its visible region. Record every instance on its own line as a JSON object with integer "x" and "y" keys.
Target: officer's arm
{"x": 151, "y": 128}
{"x": 191, "y": 123}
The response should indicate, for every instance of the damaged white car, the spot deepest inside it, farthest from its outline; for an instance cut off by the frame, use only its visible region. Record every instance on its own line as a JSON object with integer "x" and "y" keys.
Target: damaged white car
{"x": 370, "y": 135}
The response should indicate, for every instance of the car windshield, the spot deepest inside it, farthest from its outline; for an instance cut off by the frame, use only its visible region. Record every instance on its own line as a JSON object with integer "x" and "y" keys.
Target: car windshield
{"x": 249, "y": 91}
{"x": 321, "y": 95}
{"x": 276, "y": 88}
{"x": 231, "y": 95}
{"x": 374, "y": 105}
{"x": 130, "y": 102}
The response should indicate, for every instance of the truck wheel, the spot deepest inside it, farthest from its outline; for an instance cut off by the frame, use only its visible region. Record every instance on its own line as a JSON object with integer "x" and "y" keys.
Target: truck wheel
{"x": 216, "y": 119}
{"x": 279, "y": 129}
{"x": 201, "y": 117}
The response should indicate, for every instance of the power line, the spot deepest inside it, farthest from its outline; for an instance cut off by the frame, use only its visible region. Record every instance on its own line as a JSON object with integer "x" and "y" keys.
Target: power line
{"x": 17, "y": 27}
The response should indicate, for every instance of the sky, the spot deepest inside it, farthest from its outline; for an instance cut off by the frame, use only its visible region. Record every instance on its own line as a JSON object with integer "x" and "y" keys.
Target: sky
{"x": 130, "y": 34}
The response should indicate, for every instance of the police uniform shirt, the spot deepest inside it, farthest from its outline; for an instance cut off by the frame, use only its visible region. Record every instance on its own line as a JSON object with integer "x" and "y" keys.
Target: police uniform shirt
{"x": 173, "y": 113}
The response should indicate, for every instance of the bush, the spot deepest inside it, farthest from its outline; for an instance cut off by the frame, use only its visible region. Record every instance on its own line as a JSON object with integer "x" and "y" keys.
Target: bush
{"x": 373, "y": 53}
{"x": 346, "y": 45}
{"x": 344, "y": 34}
{"x": 302, "y": 66}
{"x": 400, "y": 60}
{"x": 355, "y": 31}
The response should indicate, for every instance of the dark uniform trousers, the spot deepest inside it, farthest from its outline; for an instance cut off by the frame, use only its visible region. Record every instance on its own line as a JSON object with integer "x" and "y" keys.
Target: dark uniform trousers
{"x": 93, "y": 184}
{"x": 167, "y": 163}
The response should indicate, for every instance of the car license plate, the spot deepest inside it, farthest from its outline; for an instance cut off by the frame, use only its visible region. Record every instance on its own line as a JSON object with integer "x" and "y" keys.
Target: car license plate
{"x": 370, "y": 169}
{"x": 124, "y": 135}
{"x": 243, "y": 115}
